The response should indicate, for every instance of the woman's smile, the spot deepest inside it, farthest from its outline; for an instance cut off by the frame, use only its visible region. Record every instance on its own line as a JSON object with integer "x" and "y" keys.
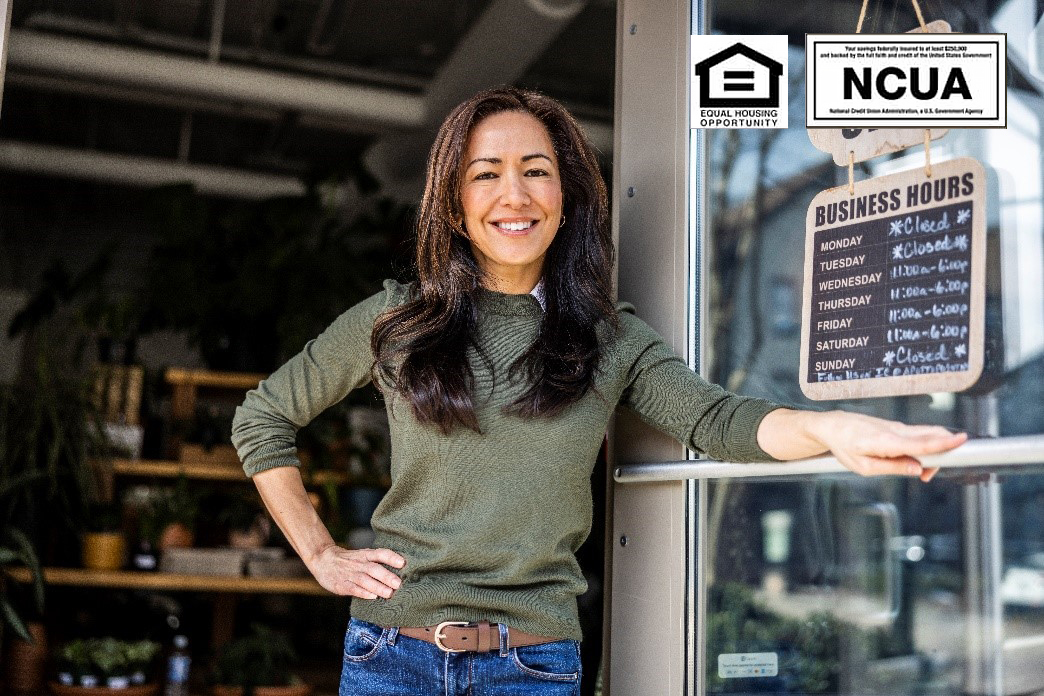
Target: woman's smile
{"x": 514, "y": 227}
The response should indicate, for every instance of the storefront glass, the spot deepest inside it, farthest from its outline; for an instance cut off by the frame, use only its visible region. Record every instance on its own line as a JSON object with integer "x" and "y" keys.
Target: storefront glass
{"x": 875, "y": 586}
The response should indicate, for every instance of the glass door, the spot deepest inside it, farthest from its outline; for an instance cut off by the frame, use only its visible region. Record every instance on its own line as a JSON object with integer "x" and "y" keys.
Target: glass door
{"x": 842, "y": 585}
{"x": 836, "y": 584}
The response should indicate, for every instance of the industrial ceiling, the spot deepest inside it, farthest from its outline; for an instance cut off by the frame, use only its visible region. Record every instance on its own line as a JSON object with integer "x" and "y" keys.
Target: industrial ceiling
{"x": 245, "y": 98}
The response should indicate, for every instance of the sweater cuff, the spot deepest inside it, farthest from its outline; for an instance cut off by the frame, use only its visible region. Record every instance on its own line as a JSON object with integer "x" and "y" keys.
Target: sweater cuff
{"x": 745, "y": 423}
{"x": 263, "y": 460}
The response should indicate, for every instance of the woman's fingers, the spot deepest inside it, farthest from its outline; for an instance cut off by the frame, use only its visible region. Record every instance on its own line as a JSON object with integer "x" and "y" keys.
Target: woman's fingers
{"x": 908, "y": 444}
{"x": 365, "y": 580}
{"x": 936, "y": 443}
{"x": 928, "y": 473}
{"x": 359, "y": 572}
{"x": 385, "y": 556}
{"x": 867, "y": 465}
{"x": 875, "y": 447}
{"x": 372, "y": 576}
{"x": 894, "y": 466}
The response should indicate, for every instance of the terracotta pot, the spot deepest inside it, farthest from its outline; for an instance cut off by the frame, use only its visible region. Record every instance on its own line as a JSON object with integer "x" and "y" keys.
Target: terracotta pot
{"x": 133, "y": 690}
{"x": 176, "y": 536}
{"x": 104, "y": 550}
{"x": 295, "y": 690}
{"x": 26, "y": 661}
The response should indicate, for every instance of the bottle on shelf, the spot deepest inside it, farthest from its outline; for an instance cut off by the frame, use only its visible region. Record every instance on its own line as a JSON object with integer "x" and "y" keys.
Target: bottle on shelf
{"x": 178, "y": 667}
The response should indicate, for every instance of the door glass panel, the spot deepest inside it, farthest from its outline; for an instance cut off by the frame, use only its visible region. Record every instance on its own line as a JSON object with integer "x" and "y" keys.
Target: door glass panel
{"x": 842, "y": 585}
{"x": 1021, "y": 590}
{"x": 875, "y": 586}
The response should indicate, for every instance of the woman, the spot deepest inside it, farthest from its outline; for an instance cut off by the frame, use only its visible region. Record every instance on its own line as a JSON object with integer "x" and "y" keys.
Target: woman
{"x": 501, "y": 368}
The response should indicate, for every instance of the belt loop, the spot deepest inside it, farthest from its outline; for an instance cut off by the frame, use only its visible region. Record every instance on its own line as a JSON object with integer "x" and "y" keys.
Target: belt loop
{"x": 503, "y": 639}
{"x": 393, "y": 634}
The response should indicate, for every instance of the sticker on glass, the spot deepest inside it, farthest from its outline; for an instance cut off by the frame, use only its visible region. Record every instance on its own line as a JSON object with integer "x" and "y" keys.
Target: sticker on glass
{"x": 737, "y": 665}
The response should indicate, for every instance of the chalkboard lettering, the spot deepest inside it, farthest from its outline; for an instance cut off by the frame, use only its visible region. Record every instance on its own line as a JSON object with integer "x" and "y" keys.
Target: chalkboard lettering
{"x": 844, "y": 302}
{"x": 844, "y": 243}
{"x": 893, "y": 285}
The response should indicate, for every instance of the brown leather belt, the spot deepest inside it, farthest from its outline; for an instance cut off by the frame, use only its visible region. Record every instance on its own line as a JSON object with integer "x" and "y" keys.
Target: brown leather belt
{"x": 465, "y": 636}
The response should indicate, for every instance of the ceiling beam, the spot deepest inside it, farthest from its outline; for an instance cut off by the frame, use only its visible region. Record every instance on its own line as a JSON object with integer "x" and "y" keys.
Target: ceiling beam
{"x": 142, "y": 172}
{"x": 93, "y": 61}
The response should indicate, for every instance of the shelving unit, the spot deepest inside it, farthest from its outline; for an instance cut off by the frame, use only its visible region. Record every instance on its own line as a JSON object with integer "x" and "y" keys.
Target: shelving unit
{"x": 226, "y": 589}
{"x": 207, "y": 472}
{"x": 210, "y": 468}
{"x": 185, "y": 384}
{"x": 173, "y": 582}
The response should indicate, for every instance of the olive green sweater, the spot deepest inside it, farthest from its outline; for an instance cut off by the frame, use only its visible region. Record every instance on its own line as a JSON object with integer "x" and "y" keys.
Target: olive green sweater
{"x": 489, "y": 523}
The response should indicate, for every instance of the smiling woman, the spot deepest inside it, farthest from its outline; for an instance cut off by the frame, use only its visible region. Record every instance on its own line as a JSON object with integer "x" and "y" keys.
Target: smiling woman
{"x": 501, "y": 368}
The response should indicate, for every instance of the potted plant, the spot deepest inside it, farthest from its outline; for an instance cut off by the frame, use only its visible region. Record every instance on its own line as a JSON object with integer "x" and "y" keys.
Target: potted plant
{"x": 45, "y": 439}
{"x": 110, "y": 657}
{"x": 105, "y": 663}
{"x": 141, "y": 656}
{"x": 49, "y": 434}
{"x": 258, "y": 665}
{"x": 73, "y": 663}
{"x": 168, "y": 520}
{"x": 27, "y": 651}
{"x": 104, "y": 547}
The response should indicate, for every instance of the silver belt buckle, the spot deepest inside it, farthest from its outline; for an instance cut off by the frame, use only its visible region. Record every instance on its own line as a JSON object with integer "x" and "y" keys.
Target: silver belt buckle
{"x": 439, "y": 635}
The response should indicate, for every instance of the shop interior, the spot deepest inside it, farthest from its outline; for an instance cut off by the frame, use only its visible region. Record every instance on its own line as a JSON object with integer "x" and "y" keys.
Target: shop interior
{"x": 191, "y": 190}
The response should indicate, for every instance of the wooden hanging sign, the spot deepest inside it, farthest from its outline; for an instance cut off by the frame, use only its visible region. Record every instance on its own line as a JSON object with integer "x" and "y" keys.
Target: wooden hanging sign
{"x": 862, "y": 144}
{"x": 866, "y": 143}
{"x": 894, "y": 286}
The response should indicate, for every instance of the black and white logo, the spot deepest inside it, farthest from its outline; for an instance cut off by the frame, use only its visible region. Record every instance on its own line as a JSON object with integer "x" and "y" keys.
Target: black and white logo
{"x": 739, "y": 82}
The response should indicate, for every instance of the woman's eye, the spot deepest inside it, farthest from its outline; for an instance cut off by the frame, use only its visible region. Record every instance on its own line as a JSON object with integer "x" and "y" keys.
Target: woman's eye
{"x": 485, "y": 175}
{"x": 536, "y": 172}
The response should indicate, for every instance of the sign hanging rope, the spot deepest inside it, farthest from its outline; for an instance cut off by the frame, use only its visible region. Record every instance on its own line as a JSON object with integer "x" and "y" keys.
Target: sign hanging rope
{"x": 917, "y": 11}
{"x": 927, "y": 132}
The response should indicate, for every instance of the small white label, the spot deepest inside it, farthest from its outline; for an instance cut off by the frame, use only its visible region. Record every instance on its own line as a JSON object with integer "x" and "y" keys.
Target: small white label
{"x": 735, "y": 665}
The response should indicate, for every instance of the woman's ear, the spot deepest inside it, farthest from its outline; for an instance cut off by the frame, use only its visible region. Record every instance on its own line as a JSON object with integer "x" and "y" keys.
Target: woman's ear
{"x": 458, "y": 227}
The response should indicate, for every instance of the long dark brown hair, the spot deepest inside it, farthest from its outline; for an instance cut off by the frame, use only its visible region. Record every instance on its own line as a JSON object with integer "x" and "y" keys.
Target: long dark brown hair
{"x": 421, "y": 346}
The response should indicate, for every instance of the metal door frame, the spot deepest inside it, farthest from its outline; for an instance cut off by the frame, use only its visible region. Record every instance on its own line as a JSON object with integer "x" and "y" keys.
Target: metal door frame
{"x": 656, "y": 588}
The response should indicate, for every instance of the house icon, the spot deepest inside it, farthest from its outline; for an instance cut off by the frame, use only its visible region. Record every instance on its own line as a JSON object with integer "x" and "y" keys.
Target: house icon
{"x": 739, "y": 76}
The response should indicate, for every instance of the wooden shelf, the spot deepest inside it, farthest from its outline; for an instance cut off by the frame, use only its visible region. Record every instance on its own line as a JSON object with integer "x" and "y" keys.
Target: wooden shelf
{"x": 82, "y": 577}
{"x": 209, "y": 378}
{"x": 173, "y": 469}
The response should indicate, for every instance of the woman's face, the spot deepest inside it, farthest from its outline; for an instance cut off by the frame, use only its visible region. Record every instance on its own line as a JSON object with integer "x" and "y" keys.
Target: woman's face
{"x": 511, "y": 193}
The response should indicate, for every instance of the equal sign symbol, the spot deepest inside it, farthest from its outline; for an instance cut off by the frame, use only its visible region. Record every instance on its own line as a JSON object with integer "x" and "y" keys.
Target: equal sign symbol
{"x": 739, "y": 86}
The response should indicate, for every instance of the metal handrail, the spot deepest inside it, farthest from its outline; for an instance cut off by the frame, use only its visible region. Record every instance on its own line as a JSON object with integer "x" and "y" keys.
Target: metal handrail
{"x": 979, "y": 453}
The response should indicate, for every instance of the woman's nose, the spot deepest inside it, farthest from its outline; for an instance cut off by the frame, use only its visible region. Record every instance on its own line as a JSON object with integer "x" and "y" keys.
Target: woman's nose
{"x": 513, "y": 192}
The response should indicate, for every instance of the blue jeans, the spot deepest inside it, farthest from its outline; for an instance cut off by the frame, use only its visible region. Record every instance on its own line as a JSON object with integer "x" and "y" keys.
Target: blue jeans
{"x": 381, "y": 662}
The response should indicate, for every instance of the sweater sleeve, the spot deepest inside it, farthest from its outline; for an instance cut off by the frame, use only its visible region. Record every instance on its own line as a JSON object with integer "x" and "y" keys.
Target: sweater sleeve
{"x": 264, "y": 428}
{"x": 669, "y": 396}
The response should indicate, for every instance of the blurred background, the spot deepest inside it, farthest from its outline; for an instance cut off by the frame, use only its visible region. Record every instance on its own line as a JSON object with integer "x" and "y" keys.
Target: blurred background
{"x": 192, "y": 189}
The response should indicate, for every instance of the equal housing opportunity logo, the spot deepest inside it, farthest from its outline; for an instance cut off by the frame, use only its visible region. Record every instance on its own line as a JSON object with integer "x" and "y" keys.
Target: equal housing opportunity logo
{"x": 738, "y": 82}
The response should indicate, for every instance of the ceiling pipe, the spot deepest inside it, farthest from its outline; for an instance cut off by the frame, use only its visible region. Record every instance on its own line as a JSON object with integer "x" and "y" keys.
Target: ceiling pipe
{"x": 105, "y": 31}
{"x": 90, "y": 60}
{"x": 501, "y": 44}
{"x": 142, "y": 172}
{"x": 176, "y": 102}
